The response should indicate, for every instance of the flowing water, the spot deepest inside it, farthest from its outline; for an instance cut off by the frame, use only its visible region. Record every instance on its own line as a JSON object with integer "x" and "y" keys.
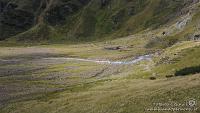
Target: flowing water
{"x": 135, "y": 60}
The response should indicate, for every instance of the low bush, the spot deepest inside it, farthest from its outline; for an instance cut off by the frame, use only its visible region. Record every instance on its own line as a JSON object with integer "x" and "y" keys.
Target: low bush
{"x": 188, "y": 70}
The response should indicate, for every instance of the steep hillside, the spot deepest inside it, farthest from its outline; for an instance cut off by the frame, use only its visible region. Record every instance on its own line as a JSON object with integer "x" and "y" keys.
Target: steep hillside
{"x": 84, "y": 20}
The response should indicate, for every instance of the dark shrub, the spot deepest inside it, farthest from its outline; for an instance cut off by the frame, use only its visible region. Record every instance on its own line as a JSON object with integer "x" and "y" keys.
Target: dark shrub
{"x": 152, "y": 78}
{"x": 188, "y": 70}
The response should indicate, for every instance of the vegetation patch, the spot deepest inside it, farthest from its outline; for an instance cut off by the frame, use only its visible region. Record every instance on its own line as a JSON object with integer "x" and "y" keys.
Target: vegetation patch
{"x": 188, "y": 71}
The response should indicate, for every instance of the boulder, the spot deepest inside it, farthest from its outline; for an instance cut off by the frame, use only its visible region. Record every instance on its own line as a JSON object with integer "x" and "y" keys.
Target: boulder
{"x": 113, "y": 48}
{"x": 152, "y": 78}
{"x": 169, "y": 76}
{"x": 197, "y": 37}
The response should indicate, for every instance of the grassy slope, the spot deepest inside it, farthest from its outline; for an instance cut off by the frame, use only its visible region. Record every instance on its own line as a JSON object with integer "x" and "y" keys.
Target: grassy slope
{"x": 127, "y": 90}
{"x": 116, "y": 19}
{"x": 178, "y": 57}
{"x": 119, "y": 96}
